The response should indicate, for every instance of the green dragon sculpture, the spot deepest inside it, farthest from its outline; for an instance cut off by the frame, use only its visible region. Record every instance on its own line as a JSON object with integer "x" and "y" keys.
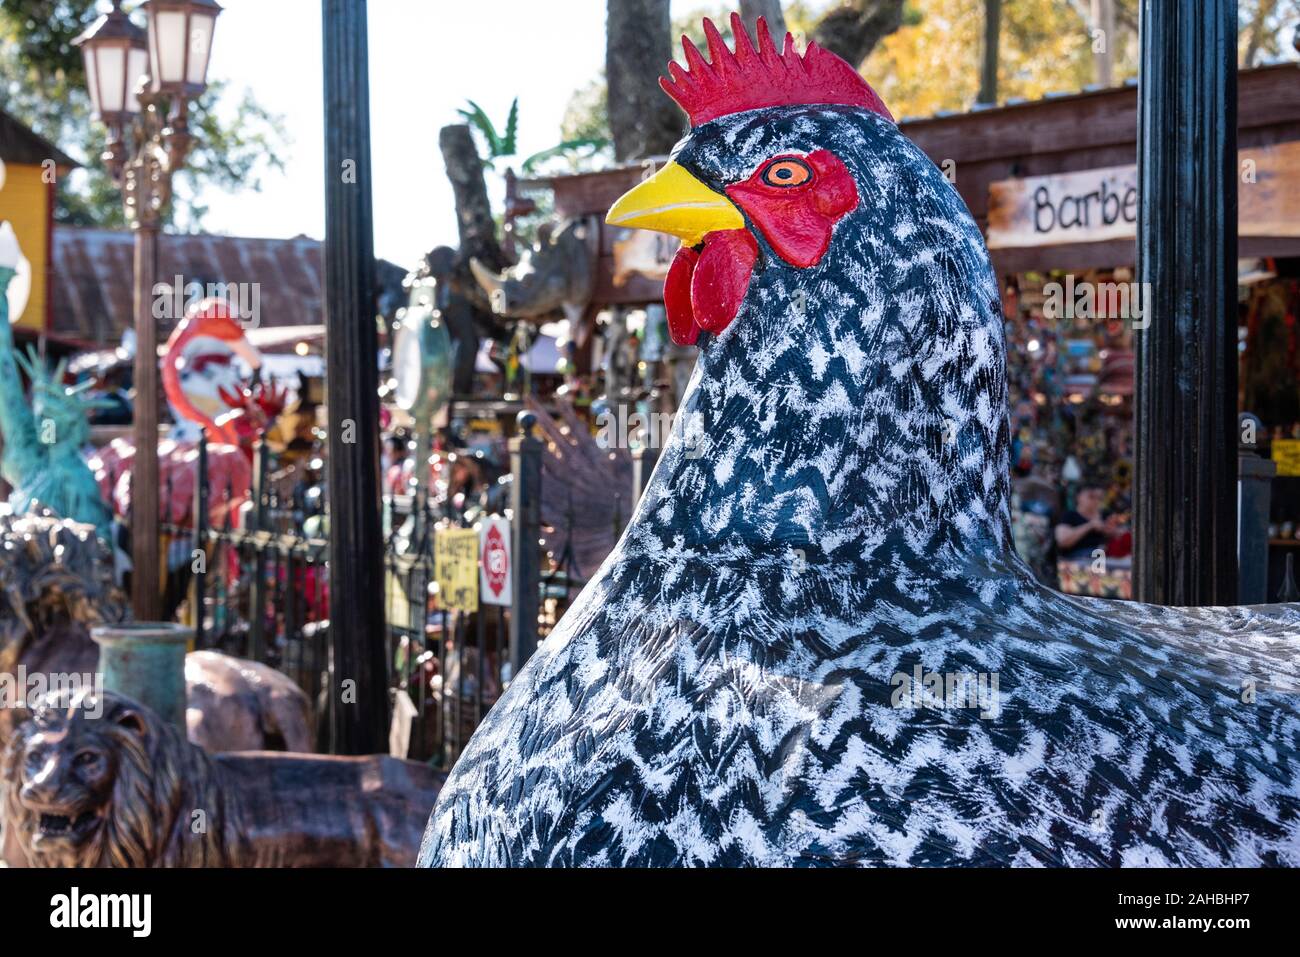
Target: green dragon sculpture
{"x": 43, "y": 440}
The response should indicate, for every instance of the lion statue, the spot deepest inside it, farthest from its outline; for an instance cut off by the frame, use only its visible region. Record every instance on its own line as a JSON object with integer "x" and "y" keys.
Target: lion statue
{"x": 56, "y": 582}
{"x": 97, "y": 780}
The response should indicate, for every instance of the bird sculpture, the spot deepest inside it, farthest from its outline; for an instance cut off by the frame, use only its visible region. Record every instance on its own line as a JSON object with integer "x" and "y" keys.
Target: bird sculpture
{"x": 814, "y": 644}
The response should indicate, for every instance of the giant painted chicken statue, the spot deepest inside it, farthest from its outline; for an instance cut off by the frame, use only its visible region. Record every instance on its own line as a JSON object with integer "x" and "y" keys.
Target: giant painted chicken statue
{"x": 814, "y": 644}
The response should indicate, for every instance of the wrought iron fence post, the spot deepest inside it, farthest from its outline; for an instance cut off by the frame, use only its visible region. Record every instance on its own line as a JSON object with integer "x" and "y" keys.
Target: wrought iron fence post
{"x": 257, "y": 522}
{"x": 200, "y": 537}
{"x": 525, "y": 502}
{"x": 1255, "y": 481}
{"x": 644, "y": 460}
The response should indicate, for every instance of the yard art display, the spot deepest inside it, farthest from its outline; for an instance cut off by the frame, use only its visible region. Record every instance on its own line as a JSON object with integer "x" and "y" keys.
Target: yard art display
{"x": 136, "y": 800}
{"x": 496, "y": 567}
{"x": 43, "y": 439}
{"x": 200, "y": 376}
{"x": 55, "y": 585}
{"x": 205, "y": 390}
{"x": 455, "y": 568}
{"x": 736, "y": 685}
{"x": 558, "y": 274}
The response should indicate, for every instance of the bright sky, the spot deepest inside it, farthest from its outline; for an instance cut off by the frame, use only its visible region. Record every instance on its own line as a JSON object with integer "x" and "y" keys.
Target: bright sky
{"x": 426, "y": 58}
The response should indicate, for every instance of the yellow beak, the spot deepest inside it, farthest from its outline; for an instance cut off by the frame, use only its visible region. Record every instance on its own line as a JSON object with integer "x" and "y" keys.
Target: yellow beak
{"x": 673, "y": 201}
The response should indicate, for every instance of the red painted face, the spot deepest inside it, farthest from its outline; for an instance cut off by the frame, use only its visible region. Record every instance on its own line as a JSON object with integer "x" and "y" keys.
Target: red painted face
{"x": 794, "y": 201}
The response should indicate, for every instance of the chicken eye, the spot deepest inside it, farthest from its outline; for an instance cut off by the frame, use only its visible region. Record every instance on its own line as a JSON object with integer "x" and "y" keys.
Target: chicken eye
{"x": 787, "y": 172}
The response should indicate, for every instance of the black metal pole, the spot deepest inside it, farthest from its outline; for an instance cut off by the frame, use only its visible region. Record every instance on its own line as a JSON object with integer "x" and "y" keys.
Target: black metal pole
{"x": 257, "y": 590}
{"x": 1185, "y": 506}
{"x": 358, "y": 678}
{"x": 201, "y": 539}
{"x": 526, "y": 530}
{"x": 644, "y": 460}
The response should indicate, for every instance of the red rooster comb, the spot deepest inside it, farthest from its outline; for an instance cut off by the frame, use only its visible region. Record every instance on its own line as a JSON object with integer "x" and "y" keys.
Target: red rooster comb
{"x": 752, "y": 79}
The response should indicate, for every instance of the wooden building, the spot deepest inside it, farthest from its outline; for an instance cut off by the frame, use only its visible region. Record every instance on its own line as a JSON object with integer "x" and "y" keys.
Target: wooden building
{"x": 30, "y": 168}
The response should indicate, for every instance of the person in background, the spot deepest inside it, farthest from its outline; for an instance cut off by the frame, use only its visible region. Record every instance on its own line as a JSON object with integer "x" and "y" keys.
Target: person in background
{"x": 393, "y": 464}
{"x": 1083, "y": 530}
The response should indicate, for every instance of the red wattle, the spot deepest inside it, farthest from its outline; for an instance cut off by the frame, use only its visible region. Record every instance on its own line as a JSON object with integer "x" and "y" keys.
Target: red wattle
{"x": 721, "y": 278}
{"x": 677, "y": 297}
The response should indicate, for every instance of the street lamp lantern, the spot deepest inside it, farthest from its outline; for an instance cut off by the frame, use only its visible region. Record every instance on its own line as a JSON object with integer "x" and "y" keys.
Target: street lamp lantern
{"x": 116, "y": 57}
{"x": 180, "y": 44}
{"x": 140, "y": 82}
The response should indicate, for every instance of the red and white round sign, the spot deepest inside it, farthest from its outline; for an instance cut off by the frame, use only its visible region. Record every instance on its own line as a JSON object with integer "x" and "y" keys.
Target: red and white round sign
{"x": 496, "y": 563}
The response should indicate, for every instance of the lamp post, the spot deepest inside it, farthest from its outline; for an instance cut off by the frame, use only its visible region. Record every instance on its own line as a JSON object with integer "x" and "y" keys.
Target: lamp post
{"x": 358, "y": 721}
{"x": 140, "y": 82}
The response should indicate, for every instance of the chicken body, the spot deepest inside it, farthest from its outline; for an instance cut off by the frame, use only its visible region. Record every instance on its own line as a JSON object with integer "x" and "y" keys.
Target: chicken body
{"x": 747, "y": 680}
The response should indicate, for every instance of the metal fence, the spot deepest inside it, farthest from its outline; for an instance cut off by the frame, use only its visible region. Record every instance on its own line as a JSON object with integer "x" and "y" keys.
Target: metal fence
{"x": 249, "y": 572}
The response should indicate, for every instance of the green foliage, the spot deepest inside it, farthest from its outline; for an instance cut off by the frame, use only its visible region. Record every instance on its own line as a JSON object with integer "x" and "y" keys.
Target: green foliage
{"x": 569, "y": 149}
{"x": 42, "y": 83}
{"x": 499, "y": 146}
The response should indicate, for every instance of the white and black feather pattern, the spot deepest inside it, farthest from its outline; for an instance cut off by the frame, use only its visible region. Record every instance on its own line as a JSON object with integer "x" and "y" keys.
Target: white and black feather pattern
{"x": 723, "y": 691}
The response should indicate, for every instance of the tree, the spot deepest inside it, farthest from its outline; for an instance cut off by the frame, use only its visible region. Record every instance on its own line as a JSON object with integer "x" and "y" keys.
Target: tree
{"x": 475, "y": 225}
{"x": 42, "y": 83}
{"x": 1104, "y": 34}
{"x": 853, "y": 28}
{"x": 988, "y": 92}
{"x": 638, "y": 43}
{"x": 769, "y": 10}
{"x": 933, "y": 62}
{"x": 1264, "y": 24}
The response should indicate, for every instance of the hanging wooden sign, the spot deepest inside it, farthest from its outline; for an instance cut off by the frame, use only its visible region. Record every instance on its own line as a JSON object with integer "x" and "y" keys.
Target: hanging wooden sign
{"x": 1102, "y": 204}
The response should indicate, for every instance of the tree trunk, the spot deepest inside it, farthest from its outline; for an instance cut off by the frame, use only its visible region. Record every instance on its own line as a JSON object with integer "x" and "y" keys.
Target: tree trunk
{"x": 477, "y": 229}
{"x": 474, "y": 222}
{"x": 769, "y": 10}
{"x": 1103, "y": 41}
{"x": 989, "y": 65}
{"x": 638, "y": 45}
{"x": 854, "y": 27}
{"x": 1262, "y": 12}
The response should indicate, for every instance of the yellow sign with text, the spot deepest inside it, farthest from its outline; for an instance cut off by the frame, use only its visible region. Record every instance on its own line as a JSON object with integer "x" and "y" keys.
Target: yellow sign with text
{"x": 1286, "y": 453}
{"x": 455, "y": 568}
